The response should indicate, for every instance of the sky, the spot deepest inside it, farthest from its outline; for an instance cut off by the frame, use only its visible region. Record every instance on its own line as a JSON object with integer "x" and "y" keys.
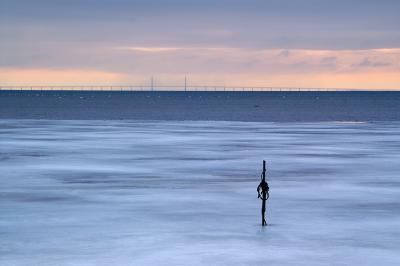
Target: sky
{"x": 272, "y": 43}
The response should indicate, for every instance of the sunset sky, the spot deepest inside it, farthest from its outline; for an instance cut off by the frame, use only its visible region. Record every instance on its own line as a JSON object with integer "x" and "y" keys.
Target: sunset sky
{"x": 279, "y": 43}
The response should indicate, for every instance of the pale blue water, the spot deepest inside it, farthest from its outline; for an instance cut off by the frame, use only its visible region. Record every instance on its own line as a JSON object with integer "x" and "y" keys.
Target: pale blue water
{"x": 179, "y": 193}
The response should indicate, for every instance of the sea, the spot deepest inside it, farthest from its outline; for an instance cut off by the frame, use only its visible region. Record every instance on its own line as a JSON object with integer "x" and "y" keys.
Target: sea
{"x": 168, "y": 178}
{"x": 285, "y": 106}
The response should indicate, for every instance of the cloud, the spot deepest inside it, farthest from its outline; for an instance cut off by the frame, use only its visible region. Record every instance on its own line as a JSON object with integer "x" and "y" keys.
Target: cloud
{"x": 279, "y": 42}
{"x": 367, "y": 63}
{"x": 329, "y": 60}
{"x": 263, "y": 24}
{"x": 151, "y": 49}
{"x": 284, "y": 53}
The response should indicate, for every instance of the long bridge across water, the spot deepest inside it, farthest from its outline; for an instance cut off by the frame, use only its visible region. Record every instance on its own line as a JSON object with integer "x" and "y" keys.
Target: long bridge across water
{"x": 127, "y": 87}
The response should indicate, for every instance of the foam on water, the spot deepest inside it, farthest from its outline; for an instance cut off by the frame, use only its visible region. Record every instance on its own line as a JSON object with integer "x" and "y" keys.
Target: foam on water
{"x": 179, "y": 193}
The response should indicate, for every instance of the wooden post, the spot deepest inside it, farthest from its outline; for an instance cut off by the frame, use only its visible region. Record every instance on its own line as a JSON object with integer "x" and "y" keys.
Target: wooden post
{"x": 263, "y": 194}
{"x": 264, "y": 197}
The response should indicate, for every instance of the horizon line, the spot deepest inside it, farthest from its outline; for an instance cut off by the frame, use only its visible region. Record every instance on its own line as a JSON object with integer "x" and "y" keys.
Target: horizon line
{"x": 154, "y": 87}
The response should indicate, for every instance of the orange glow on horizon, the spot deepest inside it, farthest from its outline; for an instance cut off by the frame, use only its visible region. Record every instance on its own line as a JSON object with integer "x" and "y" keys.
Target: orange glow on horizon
{"x": 364, "y": 80}
{"x": 207, "y": 66}
{"x": 47, "y": 76}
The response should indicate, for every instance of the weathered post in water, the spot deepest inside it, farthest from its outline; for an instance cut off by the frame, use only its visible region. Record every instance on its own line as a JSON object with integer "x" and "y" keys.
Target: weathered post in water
{"x": 263, "y": 194}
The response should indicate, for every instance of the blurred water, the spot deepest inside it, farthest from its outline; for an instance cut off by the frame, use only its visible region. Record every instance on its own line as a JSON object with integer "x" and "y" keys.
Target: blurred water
{"x": 184, "y": 193}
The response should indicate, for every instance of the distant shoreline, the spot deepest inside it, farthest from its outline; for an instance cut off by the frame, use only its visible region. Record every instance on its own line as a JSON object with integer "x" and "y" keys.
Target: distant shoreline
{"x": 274, "y": 106}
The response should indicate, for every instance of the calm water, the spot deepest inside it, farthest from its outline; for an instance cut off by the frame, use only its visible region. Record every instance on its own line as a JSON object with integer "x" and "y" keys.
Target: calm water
{"x": 203, "y": 106}
{"x": 179, "y": 193}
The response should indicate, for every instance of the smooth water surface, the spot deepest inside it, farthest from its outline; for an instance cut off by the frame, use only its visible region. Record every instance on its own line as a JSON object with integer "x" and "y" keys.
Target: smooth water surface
{"x": 184, "y": 193}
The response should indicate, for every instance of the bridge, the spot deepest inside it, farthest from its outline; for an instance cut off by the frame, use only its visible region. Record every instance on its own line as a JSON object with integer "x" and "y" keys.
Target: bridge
{"x": 129, "y": 87}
